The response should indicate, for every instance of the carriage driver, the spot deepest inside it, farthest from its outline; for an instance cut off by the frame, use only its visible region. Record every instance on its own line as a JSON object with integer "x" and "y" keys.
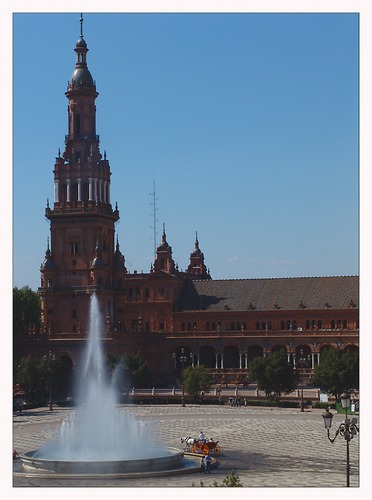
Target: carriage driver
{"x": 201, "y": 438}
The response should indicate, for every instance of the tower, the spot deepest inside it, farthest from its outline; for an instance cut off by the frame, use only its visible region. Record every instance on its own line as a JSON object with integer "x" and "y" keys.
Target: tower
{"x": 82, "y": 220}
{"x": 197, "y": 266}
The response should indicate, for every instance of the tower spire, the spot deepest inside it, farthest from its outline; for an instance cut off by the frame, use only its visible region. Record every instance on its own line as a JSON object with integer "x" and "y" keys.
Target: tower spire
{"x": 81, "y": 25}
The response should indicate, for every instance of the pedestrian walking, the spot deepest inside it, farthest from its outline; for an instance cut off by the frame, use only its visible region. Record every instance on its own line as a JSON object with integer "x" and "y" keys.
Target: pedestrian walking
{"x": 208, "y": 463}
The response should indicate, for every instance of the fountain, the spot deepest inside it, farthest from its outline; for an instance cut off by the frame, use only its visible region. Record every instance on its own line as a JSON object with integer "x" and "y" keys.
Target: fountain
{"x": 99, "y": 437}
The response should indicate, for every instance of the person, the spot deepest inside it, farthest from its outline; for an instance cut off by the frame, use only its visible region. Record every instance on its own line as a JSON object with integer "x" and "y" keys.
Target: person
{"x": 201, "y": 437}
{"x": 202, "y": 465}
{"x": 208, "y": 463}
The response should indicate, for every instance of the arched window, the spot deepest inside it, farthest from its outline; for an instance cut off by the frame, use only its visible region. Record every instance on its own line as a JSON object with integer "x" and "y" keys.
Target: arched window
{"x": 338, "y": 324}
{"x": 77, "y": 124}
{"x": 194, "y": 326}
{"x": 320, "y": 324}
{"x": 294, "y": 325}
{"x": 189, "y": 326}
{"x": 289, "y": 325}
{"x": 207, "y": 326}
{"x": 344, "y": 324}
{"x": 183, "y": 326}
{"x": 313, "y": 324}
{"x": 263, "y": 325}
{"x": 257, "y": 325}
{"x": 232, "y": 325}
{"x": 333, "y": 324}
{"x": 269, "y": 325}
{"x": 282, "y": 325}
{"x": 213, "y": 326}
{"x": 307, "y": 325}
{"x": 238, "y": 326}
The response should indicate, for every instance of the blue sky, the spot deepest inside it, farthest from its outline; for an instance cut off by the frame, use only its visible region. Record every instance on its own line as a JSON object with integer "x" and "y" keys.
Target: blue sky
{"x": 247, "y": 123}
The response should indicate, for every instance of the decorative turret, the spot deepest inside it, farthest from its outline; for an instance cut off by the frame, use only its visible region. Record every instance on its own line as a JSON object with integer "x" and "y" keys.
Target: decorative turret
{"x": 47, "y": 269}
{"x": 164, "y": 261}
{"x": 119, "y": 260}
{"x": 197, "y": 265}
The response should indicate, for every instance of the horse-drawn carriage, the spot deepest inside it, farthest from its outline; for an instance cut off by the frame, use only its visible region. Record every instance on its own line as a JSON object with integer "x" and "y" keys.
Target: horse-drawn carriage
{"x": 201, "y": 446}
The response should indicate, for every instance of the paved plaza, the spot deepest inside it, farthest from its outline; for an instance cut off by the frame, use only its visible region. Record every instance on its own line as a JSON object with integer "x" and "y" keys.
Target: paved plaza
{"x": 266, "y": 447}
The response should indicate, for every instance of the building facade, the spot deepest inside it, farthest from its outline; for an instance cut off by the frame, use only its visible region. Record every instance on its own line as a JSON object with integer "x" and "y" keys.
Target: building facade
{"x": 170, "y": 317}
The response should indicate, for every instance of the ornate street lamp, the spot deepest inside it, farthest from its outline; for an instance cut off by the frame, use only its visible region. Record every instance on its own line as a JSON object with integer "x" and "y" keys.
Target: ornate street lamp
{"x": 50, "y": 359}
{"x": 302, "y": 360}
{"x": 183, "y": 360}
{"x": 348, "y": 429}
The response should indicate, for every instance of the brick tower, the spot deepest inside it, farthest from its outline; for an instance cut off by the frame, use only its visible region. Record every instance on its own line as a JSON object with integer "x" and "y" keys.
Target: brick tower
{"x": 81, "y": 256}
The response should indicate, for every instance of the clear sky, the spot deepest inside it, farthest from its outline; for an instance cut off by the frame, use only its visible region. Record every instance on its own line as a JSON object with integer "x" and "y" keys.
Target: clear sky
{"x": 247, "y": 123}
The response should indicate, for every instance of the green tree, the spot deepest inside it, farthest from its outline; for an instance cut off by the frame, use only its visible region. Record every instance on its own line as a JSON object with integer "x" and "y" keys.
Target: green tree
{"x": 273, "y": 374}
{"x": 35, "y": 375}
{"x": 130, "y": 369}
{"x": 196, "y": 379}
{"x": 28, "y": 376}
{"x": 26, "y": 313}
{"x": 338, "y": 371}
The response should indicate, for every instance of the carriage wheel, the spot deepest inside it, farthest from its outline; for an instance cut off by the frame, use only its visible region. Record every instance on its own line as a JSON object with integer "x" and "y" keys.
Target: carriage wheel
{"x": 217, "y": 450}
{"x": 194, "y": 449}
{"x": 205, "y": 449}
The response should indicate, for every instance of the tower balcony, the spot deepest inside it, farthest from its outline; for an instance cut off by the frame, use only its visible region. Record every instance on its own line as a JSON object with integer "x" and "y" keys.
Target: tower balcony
{"x": 78, "y": 135}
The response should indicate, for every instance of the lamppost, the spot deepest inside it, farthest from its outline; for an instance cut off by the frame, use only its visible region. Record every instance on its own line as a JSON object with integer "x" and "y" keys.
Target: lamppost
{"x": 50, "y": 358}
{"x": 183, "y": 360}
{"x": 302, "y": 360}
{"x": 348, "y": 429}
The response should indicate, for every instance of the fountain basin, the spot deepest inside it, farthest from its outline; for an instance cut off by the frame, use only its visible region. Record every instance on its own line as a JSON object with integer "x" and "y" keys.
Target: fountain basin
{"x": 161, "y": 463}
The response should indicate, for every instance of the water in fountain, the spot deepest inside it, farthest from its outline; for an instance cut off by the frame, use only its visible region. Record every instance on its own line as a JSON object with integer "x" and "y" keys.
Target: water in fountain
{"x": 98, "y": 429}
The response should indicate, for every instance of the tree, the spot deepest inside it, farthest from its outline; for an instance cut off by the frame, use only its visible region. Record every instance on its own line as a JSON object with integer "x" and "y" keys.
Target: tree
{"x": 129, "y": 368}
{"x": 34, "y": 375}
{"x": 26, "y": 313}
{"x": 338, "y": 371}
{"x": 273, "y": 374}
{"x": 196, "y": 379}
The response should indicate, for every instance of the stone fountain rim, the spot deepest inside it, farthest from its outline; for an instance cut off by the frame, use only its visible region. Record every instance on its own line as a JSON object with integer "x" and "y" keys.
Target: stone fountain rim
{"x": 29, "y": 455}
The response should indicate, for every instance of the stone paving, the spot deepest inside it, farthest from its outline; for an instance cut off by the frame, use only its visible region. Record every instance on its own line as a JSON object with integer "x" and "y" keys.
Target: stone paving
{"x": 265, "y": 447}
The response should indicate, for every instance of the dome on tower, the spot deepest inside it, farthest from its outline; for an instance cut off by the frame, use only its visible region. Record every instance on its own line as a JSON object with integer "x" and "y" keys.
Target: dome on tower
{"x": 81, "y": 77}
{"x": 81, "y": 42}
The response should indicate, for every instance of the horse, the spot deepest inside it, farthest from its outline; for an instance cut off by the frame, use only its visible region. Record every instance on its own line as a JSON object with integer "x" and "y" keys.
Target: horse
{"x": 189, "y": 441}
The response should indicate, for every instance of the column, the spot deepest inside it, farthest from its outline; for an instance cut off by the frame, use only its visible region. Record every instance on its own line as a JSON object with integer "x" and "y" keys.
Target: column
{"x": 95, "y": 184}
{"x": 221, "y": 360}
{"x": 68, "y": 181}
{"x": 240, "y": 359}
{"x": 216, "y": 356}
{"x": 79, "y": 189}
{"x": 90, "y": 189}
{"x": 100, "y": 190}
{"x": 312, "y": 360}
{"x": 108, "y": 192}
{"x": 104, "y": 191}
{"x": 56, "y": 191}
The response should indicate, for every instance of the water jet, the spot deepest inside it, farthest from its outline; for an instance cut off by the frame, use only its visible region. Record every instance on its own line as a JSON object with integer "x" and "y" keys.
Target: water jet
{"x": 99, "y": 437}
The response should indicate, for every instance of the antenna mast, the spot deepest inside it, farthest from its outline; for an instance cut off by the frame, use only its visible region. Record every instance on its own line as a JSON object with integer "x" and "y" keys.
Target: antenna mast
{"x": 154, "y": 210}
